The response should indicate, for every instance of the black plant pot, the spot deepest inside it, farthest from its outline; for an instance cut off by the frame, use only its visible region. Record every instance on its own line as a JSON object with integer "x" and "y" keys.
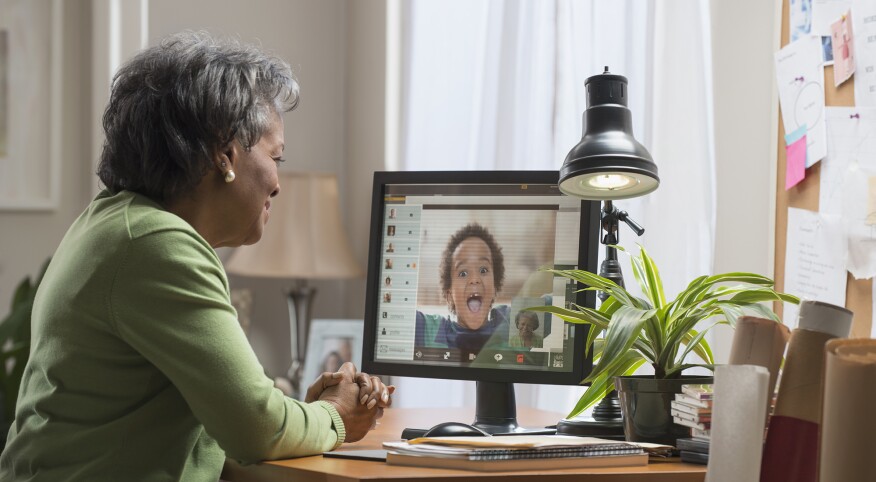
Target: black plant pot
{"x": 645, "y": 402}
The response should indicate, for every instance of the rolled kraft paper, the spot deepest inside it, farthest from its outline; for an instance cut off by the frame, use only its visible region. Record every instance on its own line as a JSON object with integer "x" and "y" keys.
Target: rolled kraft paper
{"x": 825, "y": 317}
{"x": 848, "y": 424}
{"x": 737, "y": 423}
{"x": 801, "y": 384}
{"x": 791, "y": 450}
{"x": 759, "y": 341}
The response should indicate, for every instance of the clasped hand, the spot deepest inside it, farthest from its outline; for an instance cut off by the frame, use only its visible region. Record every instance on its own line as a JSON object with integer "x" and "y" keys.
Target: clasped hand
{"x": 358, "y": 397}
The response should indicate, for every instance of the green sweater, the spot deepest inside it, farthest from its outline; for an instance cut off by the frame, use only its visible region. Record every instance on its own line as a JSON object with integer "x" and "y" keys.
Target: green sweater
{"x": 139, "y": 369}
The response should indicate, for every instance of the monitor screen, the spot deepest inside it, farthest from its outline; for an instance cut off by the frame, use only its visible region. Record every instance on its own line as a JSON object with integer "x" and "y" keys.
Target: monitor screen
{"x": 456, "y": 258}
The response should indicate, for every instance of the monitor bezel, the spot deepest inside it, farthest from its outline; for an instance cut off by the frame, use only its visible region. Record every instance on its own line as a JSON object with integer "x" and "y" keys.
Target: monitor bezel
{"x": 587, "y": 259}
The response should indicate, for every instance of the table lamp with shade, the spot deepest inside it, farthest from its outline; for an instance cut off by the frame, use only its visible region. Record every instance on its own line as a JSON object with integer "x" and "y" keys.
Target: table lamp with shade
{"x": 606, "y": 165}
{"x": 304, "y": 240}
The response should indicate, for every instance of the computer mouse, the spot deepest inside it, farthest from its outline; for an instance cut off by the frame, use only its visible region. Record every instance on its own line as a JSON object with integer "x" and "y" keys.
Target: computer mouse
{"x": 455, "y": 429}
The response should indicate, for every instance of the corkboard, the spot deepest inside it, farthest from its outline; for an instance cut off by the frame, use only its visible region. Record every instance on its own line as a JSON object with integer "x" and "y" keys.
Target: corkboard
{"x": 805, "y": 196}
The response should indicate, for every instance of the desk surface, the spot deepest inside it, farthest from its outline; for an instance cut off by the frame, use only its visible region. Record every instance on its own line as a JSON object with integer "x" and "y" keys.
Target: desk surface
{"x": 318, "y": 468}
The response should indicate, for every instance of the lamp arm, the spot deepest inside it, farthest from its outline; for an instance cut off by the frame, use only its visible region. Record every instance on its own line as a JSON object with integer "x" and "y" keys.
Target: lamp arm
{"x": 610, "y": 267}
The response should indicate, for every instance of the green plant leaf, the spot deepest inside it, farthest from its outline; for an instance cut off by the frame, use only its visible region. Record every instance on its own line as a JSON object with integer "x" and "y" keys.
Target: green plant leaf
{"x": 578, "y": 316}
{"x": 702, "y": 348}
{"x": 694, "y": 343}
{"x": 609, "y": 306}
{"x": 739, "y": 277}
{"x": 11, "y": 325}
{"x": 762, "y": 294}
{"x": 621, "y": 335}
{"x": 598, "y": 282}
{"x": 604, "y": 384}
{"x": 652, "y": 276}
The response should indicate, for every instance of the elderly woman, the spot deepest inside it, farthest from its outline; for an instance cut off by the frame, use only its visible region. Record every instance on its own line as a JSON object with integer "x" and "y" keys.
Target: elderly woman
{"x": 139, "y": 369}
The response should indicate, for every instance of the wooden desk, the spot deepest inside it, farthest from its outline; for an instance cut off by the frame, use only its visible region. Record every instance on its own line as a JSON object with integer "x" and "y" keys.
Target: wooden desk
{"x": 320, "y": 469}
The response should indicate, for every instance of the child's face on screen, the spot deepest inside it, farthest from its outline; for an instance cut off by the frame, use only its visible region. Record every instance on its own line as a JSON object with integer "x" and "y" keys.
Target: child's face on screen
{"x": 472, "y": 289}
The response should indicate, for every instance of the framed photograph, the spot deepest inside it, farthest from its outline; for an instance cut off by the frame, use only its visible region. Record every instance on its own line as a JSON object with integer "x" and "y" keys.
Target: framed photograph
{"x": 330, "y": 344}
{"x": 30, "y": 104}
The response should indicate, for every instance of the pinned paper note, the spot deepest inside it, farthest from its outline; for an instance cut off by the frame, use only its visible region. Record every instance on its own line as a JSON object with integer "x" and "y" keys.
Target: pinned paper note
{"x": 864, "y": 22}
{"x": 857, "y": 211}
{"x": 815, "y": 260}
{"x": 843, "y": 49}
{"x": 800, "y": 18}
{"x": 795, "y": 150}
{"x": 851, "y": 136}
{"x": 873, "y": 308}
{"x": 800, "y": 79}
{"x": 871, "y": 201}
{"x": 826, "y": 12}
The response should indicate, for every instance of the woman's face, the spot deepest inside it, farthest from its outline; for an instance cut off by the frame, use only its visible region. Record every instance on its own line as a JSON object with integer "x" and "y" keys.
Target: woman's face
{"x": 472, "y": 289}
{"x": 526, "y": 326}
{"x": 256, "y": 182}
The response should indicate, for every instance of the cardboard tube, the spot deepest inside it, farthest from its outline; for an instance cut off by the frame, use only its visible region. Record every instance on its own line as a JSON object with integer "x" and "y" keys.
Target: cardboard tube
{"x": 800, "y": 390}
{"x": 791, "y": 449}
{"x": 801, "y": 385}
{"x": 737, "y": 423}
{"x": 825, "y": 317}
{"x": 759, "y": 341}
{"x": 847, "y": 425}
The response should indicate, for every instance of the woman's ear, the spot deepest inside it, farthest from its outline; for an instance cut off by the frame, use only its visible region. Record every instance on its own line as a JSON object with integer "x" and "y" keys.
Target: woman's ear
{"x": 226, "y": 158}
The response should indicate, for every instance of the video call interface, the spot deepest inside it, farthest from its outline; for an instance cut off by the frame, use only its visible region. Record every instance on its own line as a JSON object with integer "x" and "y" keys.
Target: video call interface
{"x": 461, "y": 265}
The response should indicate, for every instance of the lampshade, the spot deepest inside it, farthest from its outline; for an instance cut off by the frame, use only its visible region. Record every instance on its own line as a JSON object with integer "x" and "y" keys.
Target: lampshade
{"x": 304, "y": 238}
{"x": 608, "y": 163}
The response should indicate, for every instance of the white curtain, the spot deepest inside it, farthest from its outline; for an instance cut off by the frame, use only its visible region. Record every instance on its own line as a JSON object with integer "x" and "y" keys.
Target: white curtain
{"x": 498, "y": 84}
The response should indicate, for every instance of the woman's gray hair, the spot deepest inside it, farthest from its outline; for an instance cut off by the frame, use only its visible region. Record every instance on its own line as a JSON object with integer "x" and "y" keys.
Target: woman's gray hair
{"x": 173, "y": 106}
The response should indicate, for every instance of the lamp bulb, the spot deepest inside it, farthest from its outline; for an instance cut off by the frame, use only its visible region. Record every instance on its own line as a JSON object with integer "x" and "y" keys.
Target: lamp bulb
{"x": 611, "y": 182}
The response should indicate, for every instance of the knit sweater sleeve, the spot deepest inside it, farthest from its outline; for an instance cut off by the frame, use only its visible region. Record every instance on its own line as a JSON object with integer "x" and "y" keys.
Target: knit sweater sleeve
{"x": 169, "y": 300}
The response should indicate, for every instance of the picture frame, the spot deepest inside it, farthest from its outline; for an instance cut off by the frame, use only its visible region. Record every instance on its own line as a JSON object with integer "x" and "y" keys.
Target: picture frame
{"x": 31, "y": 41}
{"x": 331, "y": 342}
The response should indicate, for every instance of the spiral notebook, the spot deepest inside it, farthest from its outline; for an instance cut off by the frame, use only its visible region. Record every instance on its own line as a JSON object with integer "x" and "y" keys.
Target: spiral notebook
{"x": 394, "y": 458}
{"x": 514, "y": 453}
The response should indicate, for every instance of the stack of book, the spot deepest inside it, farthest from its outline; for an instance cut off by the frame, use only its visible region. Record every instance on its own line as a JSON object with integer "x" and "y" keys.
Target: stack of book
{"x": 694, "y": 450}
{"x": 517, "y": 452}
{"x": 693, "y": 408}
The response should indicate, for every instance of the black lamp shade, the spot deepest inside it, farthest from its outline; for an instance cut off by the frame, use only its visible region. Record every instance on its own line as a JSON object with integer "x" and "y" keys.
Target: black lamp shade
{"x": 608, "y": 163}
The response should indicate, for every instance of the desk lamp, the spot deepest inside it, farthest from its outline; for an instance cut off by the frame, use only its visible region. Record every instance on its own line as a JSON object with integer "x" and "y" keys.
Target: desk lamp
{"x": 608, "y": 164}
{"x": 304, "y": 240}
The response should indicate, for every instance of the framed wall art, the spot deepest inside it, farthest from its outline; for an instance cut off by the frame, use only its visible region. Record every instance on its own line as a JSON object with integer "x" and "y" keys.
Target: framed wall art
{"x": 30, "y": 103}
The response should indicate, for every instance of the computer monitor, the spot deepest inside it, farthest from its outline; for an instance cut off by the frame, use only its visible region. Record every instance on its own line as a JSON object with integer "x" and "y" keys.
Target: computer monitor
{"x": 455, "y": 258}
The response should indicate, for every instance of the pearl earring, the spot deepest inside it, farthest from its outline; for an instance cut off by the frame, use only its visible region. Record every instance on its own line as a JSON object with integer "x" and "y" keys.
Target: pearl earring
{"x": 229, "y": 176}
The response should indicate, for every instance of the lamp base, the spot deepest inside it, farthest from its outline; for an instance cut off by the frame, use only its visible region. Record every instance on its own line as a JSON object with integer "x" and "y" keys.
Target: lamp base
{"x": 590, "y": 427}
{"x": 606, "y": 422}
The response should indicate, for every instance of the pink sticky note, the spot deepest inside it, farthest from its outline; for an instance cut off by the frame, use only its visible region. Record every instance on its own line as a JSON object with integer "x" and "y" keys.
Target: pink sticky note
{"x": 795, "y": 167}
{"x": 843, "y": 49}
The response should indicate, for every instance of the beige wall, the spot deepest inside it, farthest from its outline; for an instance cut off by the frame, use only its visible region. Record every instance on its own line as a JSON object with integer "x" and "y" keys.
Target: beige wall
{"x": 27, "y": 238}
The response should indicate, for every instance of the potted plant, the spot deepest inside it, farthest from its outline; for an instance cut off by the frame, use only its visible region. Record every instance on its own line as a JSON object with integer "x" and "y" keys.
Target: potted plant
{"x": 628, "y": 331}
{"x": 15, "y": 348}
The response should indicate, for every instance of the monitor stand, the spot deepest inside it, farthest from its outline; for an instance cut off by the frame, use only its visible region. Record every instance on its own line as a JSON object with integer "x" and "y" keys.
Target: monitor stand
{"x": 495, "y": 412}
